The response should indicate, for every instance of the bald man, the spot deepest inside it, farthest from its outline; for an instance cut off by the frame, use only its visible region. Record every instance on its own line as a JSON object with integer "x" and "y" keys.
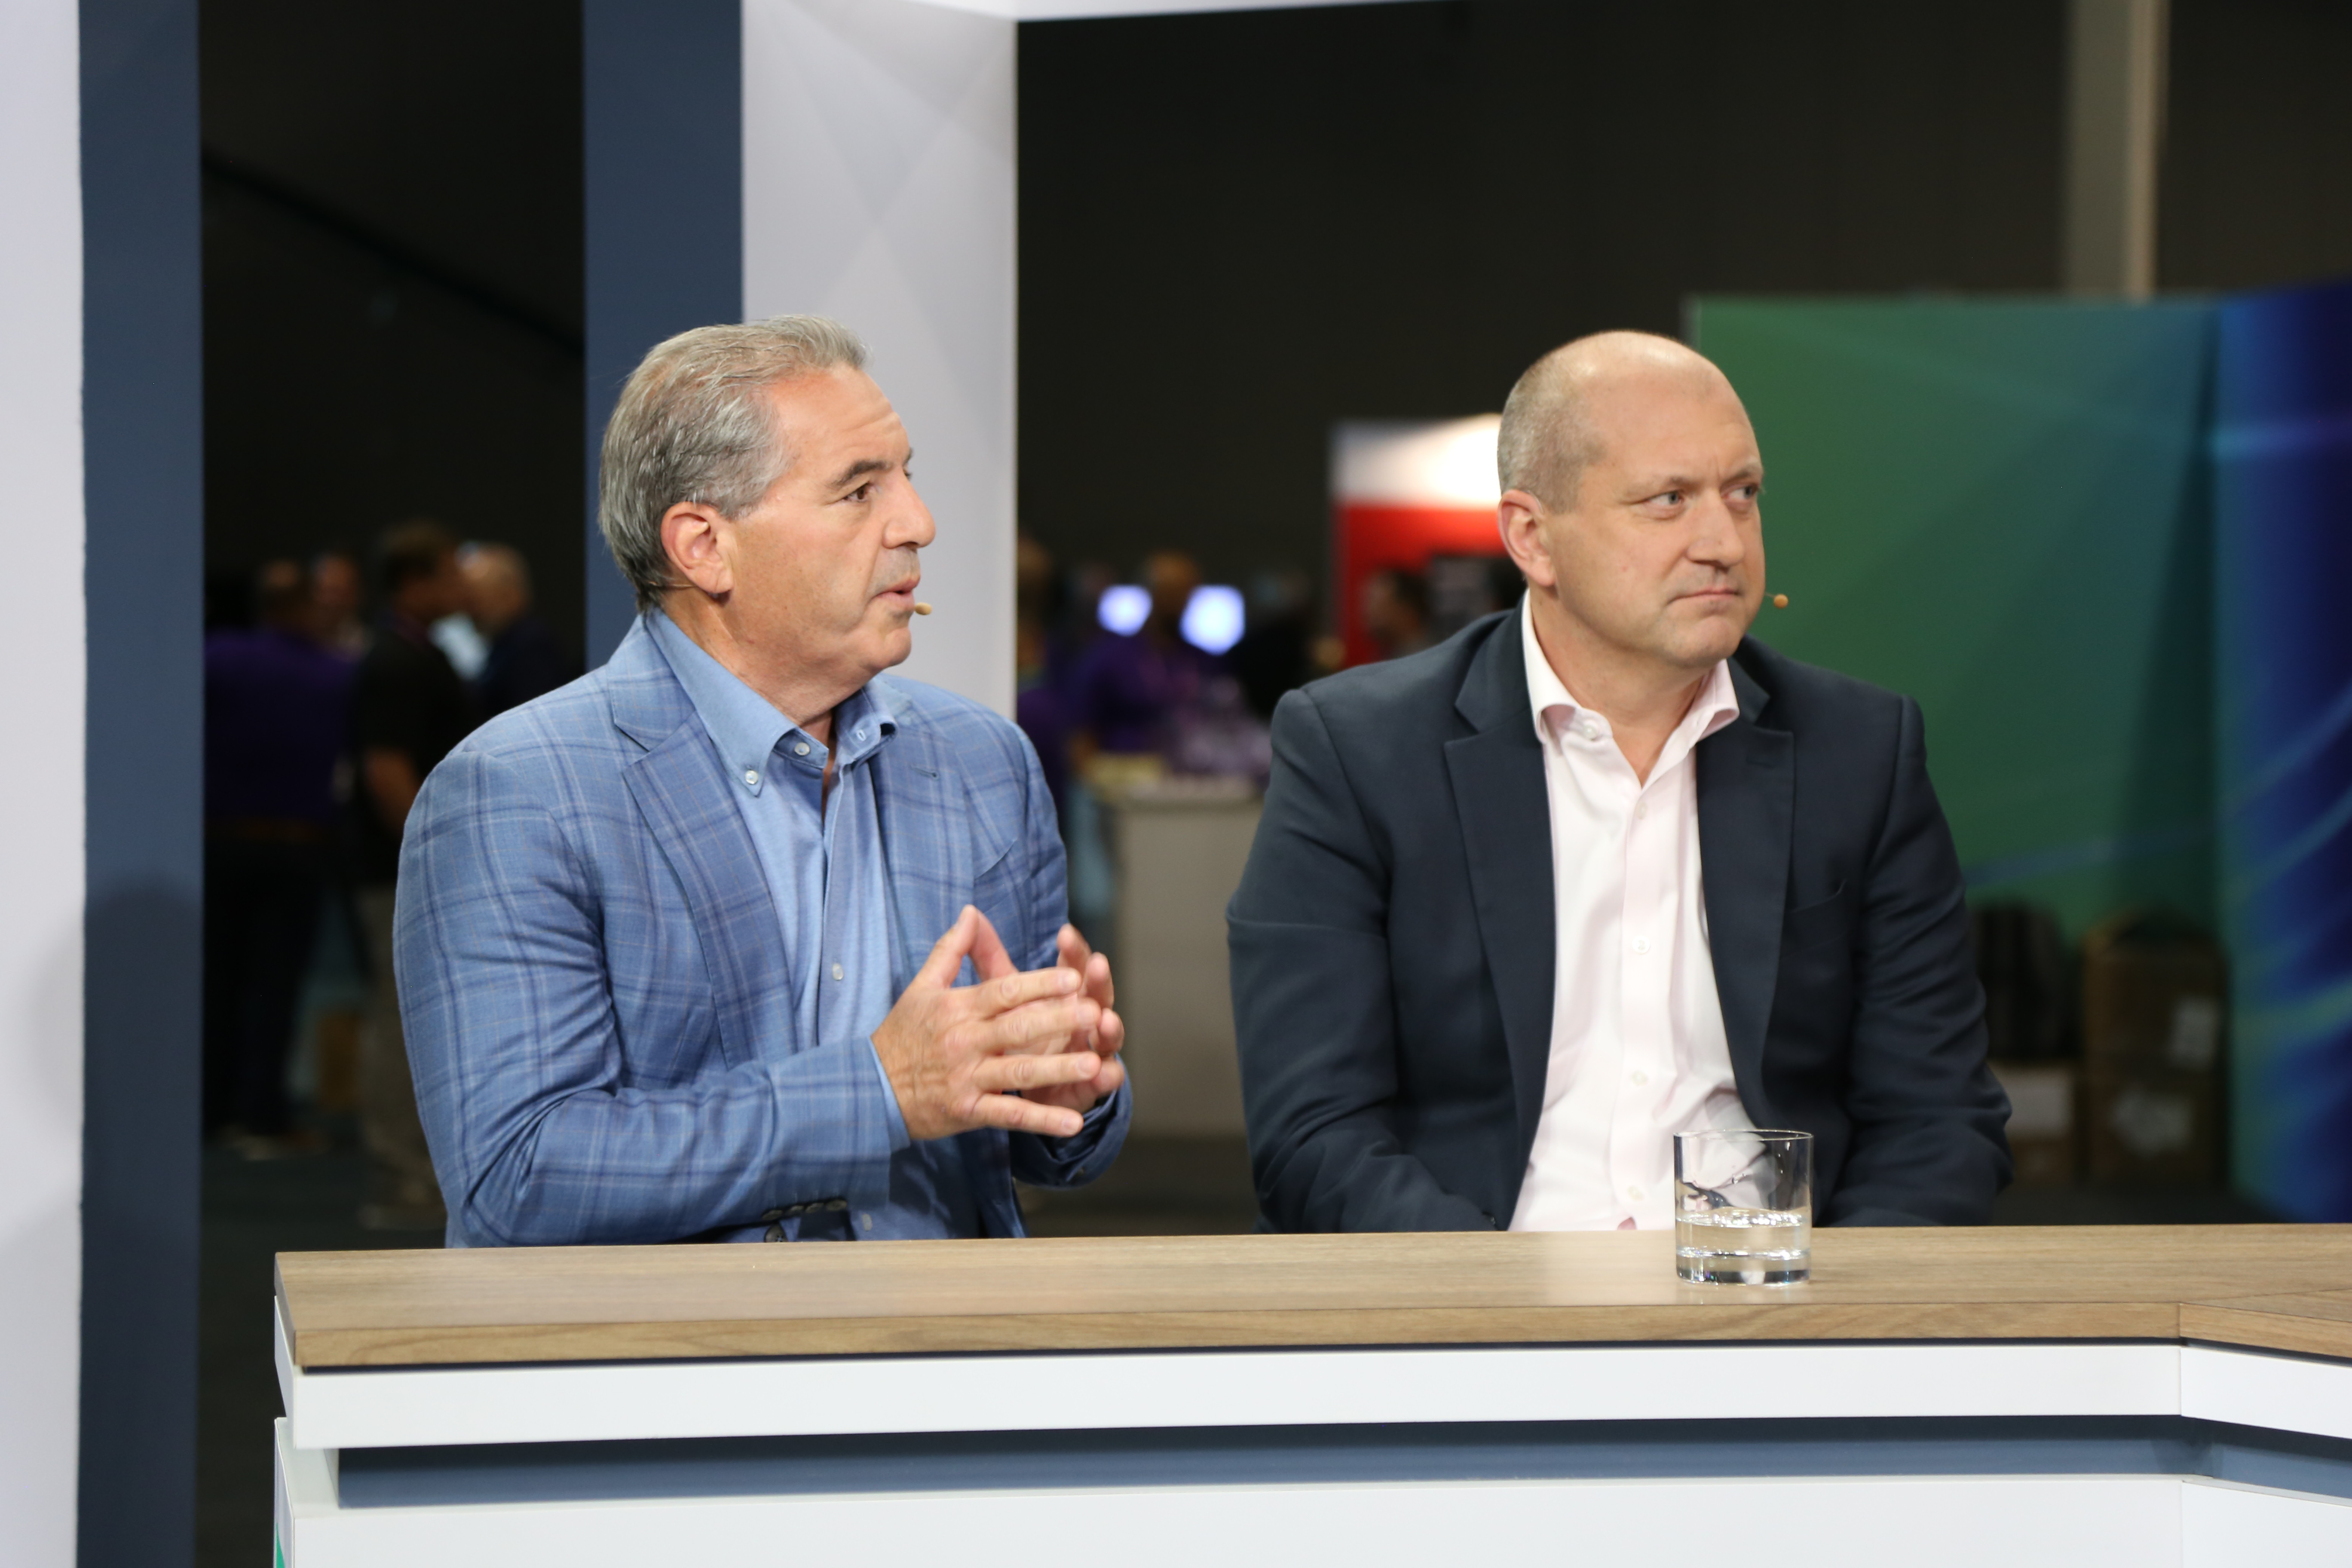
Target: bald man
{"x": 1602, "y": 868}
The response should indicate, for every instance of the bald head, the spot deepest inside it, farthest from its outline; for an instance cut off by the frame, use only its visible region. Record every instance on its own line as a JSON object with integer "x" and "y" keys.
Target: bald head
{"x": 1556, "y": 420}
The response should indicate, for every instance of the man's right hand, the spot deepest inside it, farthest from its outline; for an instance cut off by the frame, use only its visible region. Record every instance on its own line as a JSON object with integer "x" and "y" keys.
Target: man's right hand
{"x": 952, "y": 1052}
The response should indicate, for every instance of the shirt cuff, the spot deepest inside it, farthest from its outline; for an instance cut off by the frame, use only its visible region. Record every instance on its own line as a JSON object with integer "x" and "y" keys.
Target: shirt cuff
{"x": 897, "y": 1123}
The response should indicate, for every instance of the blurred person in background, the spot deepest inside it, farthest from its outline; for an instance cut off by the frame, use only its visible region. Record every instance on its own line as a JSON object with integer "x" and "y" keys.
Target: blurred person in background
{"x": 1396, "y": 611}
{"x": 275, "y": 709}
{"x": 410, "y": 708}
{"x": 523, "y": 660}
{"x": 1276, "y": 650}
{"x": 1039, "y": 674}
{"x": 335, "y": 604}
{"x": 1130, "y": 691}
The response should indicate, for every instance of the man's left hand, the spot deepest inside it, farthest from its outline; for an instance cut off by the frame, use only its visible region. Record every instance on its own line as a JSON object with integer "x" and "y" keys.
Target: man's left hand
{"x": 1104, "y": 1039}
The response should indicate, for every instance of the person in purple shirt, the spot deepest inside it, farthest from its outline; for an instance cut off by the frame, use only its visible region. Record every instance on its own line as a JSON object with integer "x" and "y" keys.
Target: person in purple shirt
{"x": 277, "y": 708}
{"x": 1130, "y": 692}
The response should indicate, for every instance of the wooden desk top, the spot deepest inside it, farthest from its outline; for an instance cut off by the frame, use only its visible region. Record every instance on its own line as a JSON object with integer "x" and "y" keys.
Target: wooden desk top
{"x": 2276, "y": 1287}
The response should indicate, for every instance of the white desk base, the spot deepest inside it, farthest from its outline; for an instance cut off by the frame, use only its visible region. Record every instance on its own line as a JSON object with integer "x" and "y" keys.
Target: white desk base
{"x": 2078, "y": 1519}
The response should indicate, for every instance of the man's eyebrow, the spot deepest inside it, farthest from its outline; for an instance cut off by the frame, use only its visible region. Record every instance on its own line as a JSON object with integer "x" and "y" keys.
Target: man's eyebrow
{"x": 859, "y": 469}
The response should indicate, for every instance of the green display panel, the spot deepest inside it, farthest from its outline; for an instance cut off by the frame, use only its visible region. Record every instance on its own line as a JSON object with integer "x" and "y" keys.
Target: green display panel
{"x": 1999, "y": 508}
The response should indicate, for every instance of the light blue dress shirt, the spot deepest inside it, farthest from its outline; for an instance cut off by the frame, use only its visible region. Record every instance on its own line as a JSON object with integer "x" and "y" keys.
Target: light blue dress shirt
{"x": 822, "y": 858}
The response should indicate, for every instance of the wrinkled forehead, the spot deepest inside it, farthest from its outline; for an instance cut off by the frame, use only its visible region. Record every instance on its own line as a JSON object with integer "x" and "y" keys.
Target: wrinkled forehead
{"x": 832, "y": 413}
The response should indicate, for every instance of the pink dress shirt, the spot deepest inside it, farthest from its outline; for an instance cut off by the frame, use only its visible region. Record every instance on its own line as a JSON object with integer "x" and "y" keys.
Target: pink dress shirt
{"x": 1638, "y": 1051}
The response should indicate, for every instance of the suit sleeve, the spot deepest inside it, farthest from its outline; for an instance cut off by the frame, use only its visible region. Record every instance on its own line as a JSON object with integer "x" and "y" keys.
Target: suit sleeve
{"x": 1075, "y": 1161}
{"x": 517, "y": 1059}
{"x": 1312, "y": 1010}
{"x": 1930, "y": 1141}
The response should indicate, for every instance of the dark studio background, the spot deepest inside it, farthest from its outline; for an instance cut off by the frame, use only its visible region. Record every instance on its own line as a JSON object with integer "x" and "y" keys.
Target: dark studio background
{"x": 1234, "y": 230}
{"x": 1238, "y": 229}
{"x": 393, "y": 280}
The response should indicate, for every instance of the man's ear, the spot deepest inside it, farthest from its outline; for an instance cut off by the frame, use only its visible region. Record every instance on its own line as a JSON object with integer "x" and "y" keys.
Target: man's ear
{"x": 691, "y": 537}
{"x": 1519, "y": 517}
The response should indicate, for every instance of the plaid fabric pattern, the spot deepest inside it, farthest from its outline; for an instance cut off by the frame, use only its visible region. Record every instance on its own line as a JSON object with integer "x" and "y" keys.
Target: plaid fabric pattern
{"x": 598, "y": 1014}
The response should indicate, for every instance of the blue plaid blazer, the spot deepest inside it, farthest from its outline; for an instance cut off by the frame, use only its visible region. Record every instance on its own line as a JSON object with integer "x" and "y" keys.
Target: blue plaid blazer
{"x": 594, "y": 988}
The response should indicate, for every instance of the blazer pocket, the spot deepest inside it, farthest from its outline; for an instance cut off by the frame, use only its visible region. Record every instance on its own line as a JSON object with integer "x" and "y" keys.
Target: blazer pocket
{"x": 1824, "y": 920}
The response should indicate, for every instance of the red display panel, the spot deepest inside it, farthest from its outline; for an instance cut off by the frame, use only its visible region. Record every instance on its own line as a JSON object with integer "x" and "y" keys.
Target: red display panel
{"x": 1368, "y": 536}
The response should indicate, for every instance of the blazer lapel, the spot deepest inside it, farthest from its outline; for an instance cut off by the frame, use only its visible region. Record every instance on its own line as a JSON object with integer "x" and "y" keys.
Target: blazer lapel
{"x": 681, "y": 791}
{"x": 1505, "y": 813}
{"x": 926, "y": 828}
{"x": 1747, "y": 800}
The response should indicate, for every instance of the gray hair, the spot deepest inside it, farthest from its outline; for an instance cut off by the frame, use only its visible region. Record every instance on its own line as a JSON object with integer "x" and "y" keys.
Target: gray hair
{"x": 692, "y": 424}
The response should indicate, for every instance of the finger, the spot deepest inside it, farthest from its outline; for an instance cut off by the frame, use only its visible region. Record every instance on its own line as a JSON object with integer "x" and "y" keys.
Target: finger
{"x": 1000, "y": 1075}
{"x": 1021, "y": 988}
{"x": 1039, "y": 1027}
{"x": 1017, "y": 1115}
{"x": 1110, "y": 1032}
{"x": 948, "y": 954}
{"x": 1071, "y": 947}
{"x": 1106, "y": 1082}
{"x": 988, "y": 955}
{"x": 1083, "y": 1097}
{"x": 1098, "y": 986}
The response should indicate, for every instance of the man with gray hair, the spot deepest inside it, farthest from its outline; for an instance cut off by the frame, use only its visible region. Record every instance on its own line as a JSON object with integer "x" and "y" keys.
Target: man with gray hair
{"x": 738, "y": 939}
{"x": 1479, "y": 978}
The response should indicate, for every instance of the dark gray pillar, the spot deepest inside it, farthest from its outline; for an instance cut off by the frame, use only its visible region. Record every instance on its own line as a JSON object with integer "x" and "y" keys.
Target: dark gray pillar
{"x": 143, "y": 411}
{"x": 664, "y": 149}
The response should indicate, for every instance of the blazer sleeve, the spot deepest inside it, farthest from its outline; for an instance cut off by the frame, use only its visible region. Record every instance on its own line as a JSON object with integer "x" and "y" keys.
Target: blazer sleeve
{"x": 506, "y": 1003}
{"x": 1075, "y": 1161}
{"x": 1307, "y": 931}
{"x": 1930, "y": 1146}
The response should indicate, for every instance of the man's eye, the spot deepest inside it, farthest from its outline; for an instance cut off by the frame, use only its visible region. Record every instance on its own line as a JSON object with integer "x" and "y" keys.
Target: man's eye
{"x": 1667, "y": 498}
{"x": 861, "y": 492}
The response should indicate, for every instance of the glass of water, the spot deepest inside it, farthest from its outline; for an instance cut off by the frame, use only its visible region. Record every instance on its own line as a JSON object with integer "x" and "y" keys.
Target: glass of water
{"x": 1744, "y": 1207}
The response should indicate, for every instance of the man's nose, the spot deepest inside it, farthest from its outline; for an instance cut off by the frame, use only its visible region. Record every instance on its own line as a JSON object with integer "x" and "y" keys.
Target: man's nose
{"x": 911, "y": 525}
{"x": 1718, "y": 541}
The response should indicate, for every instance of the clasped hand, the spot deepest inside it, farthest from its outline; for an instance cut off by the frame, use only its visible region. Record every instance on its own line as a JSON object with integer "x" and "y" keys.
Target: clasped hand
{"x": 1029, "y": 1051}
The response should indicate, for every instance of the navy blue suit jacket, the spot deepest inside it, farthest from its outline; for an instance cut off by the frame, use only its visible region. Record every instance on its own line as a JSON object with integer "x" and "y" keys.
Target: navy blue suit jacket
{"x": 1393, "y": 945}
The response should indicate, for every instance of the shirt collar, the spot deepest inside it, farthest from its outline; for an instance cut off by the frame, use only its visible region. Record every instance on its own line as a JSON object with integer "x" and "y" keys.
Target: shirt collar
{"x": 749, "y": 729}
{"x": 1716, "y": 704}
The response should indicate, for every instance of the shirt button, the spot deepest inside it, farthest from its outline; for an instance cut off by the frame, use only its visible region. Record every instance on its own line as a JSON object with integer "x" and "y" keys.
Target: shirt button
{"x": 1641, "y": 944}
{"x": 1592, "y": 733}
{"x": 861, "y": 731}
{"x": 1640, "y": 1079}
{"x": 1635, "y": 1193}
{"x": 1643, "y": 809}
{"x": 775, "y": 1233}
{"x": 836, "y": 971}
{"x": 750, "y": 778}
{"x": 799, "y": 748}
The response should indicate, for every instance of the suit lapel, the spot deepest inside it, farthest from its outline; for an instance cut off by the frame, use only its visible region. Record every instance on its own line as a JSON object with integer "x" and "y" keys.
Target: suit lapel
{"x": 1746, "y": 801}
{"x": 1505, "y": 813}
{"x": 681, "y": 790}
{"x": 925, "y": 830}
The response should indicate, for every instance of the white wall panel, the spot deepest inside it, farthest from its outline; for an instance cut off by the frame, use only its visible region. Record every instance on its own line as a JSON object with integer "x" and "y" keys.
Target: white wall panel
{"x": 878, "y": 188}
{"x": 41, "y": 714}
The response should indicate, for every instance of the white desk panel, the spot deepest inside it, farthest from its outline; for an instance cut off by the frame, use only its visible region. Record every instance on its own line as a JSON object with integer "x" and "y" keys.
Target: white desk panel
{"x": 403, "y": 1408}
{"x": 2265, "y": 1388}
